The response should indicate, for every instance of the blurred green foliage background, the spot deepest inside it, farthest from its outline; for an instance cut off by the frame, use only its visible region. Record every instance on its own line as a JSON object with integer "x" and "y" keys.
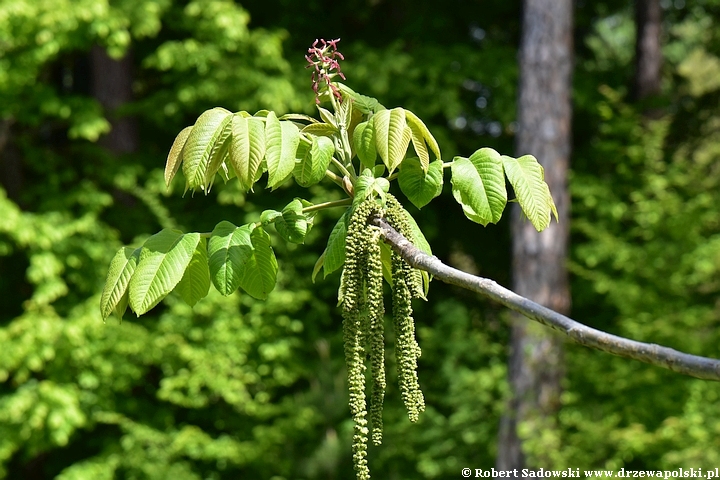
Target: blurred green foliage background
{"x": 238, "y": 388}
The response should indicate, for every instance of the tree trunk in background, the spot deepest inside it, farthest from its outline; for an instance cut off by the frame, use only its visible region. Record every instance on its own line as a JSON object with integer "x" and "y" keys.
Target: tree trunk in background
{"x": 539, "y": 259}
{"x": 112, "y": 87}
{"x": 648, "y": 54}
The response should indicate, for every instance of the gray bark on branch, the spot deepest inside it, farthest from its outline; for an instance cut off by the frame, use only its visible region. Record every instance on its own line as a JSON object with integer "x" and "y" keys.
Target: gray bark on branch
{"x": 686, "y": 364}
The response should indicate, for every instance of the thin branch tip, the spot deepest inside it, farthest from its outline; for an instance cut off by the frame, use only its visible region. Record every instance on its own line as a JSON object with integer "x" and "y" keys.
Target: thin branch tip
{"x": 658, "y": 355}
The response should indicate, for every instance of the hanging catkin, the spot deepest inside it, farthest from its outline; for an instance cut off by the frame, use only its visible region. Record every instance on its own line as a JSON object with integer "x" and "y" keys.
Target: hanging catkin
{"x": 361, "y": 298}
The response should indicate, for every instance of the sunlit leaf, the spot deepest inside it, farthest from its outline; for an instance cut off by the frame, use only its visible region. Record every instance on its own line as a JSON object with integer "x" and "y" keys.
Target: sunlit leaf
{"x": 314, "y": 162}
{"x": 298, "y": 117}
{"x": 247, "y": 149}
{"x": 293, "y": 224}
{"x": 282, "y": 139}
{"x": 269, "y": 216}
{"x": 229, "y": 252}
{"x": 363, "y": 103}
{"x": 195, "y": 283}
{"x": 219, "y": 154}
{"x": 327, "y": 117}
{"x": 161, "y": 265}
{"x": 419, "y": 146}
{"x": 260, "y": 273}
{"x": 364, "y": 142}
{"x": 204, "y": 138}
{"x": 335, "y": 251}
{"x": 121, "y": 270}
{"x": 479, "y": 186}
{"x": 392, "y": 136}
{"x": 420, "y": 186}
{"x": 318, "y": 266}
{"x": 364, "y": 186}
{"x": 344, "y": 115}
{"x": 419, "y": 127}
{"x": 322, "y": 129}
{"x": 174, "y": 159}
{"x": 527, "y": 178}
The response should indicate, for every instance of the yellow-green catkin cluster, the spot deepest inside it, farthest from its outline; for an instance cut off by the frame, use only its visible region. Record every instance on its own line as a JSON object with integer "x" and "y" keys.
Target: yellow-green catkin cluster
{"x": 356, "y": 320}
{"x": 361, "y": 297}
{"x": 407, "y": 284}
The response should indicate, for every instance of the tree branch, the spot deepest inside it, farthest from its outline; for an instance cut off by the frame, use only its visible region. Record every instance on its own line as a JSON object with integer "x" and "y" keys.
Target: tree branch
{"x": 686, "y": 364}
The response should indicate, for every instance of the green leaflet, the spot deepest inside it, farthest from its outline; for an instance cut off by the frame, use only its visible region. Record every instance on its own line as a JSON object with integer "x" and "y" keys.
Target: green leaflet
{"x": 479, "y": 186}
{"x": 343, "y": 115}
{"x": 269, "y": 216}
{"x": 174, "y": 158}
{"x": 115, "y": 291}
{"x": 299, "y": 117}
{"x": 161, "y": 265}
{"x": 420, "y": 186}
{"x": 318, "y": 266}
{"x": 320, "y": 129}
{"x": 314, "y": 161}
{"x": 242, "y": 257}
{"x": 247, "y": 149}
{"x": 367, "y": 183}
{"x": 122, "y": 305}
{"x": 527, "y": 178}
{"x": 334, "y": 255}
{"x": 282, "y": 139}
{"x": 364, "y": 143}
{"x": 363, "y": 186}
{"x": 229, "y": 251}
{"x": 327, "y": 117}
{"x": 195, "y": 283}
{"x": 206, "y": 137}
{"x": 418, "y": 239}
{"x": 419, "y": 146}
{"x": 421, "y": 135}
{"x": 260, "y": 273}
{"x": 362, "y": 103}
{"x": 392, "y": 136}
{"x": 293, "y": 225}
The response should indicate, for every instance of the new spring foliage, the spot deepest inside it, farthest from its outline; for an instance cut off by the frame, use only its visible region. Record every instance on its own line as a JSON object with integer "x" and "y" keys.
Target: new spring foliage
{"x": 360, "y": 146}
